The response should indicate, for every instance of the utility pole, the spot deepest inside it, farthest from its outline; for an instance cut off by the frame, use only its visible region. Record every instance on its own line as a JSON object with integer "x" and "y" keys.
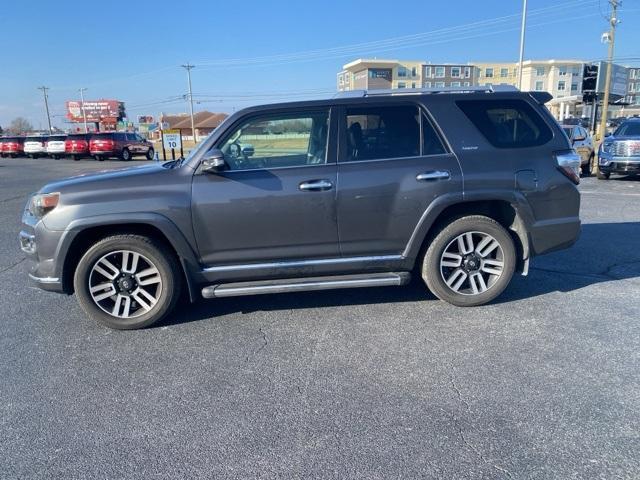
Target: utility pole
{"x": 613, "y": 22}
{"x": 522, "y": 30}
{"x": 46, "y": 105}
{"x": 84, "y": 113}
{"x": 188, "y": 68}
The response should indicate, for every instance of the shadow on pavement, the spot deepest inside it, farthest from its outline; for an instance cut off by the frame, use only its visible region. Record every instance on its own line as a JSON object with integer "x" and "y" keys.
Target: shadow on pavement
{"x": 605, "y": 252}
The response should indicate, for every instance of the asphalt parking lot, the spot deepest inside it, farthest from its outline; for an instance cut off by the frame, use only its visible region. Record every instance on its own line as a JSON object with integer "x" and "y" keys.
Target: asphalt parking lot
{"x": 369, "y": 383}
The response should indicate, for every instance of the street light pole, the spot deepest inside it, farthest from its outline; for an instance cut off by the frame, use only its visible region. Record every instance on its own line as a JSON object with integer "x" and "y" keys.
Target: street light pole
{"x": 188, "y": 68}
{"x": 84, "y": 113}
{"x": 522, "y": 30}
{"x": 46, "y": 105}
{"x": 613, "y": 22}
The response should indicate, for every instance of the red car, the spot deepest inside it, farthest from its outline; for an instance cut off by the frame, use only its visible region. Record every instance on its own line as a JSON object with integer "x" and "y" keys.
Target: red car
{"x": 12, "y": 146}
{"x": 119, "y": 144}
{"x": 76, "y": 146}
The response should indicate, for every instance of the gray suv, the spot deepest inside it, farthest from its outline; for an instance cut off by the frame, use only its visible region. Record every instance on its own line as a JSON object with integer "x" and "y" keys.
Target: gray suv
{"x": 461, "y": 188}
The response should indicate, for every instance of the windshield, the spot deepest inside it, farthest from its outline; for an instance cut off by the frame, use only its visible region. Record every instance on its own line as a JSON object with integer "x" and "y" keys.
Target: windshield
{"x": 629, "y": 129}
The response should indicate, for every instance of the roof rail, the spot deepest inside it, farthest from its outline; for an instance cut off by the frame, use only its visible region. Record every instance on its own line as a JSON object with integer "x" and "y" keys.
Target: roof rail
{"x": 423, "y": 91}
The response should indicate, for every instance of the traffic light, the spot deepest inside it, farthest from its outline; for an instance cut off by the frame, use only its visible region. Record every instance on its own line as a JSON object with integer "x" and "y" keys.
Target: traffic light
{"x": 589, "y": 80}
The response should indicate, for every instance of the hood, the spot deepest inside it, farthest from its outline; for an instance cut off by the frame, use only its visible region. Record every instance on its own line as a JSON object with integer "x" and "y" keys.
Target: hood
{"x": 127, "y": 175}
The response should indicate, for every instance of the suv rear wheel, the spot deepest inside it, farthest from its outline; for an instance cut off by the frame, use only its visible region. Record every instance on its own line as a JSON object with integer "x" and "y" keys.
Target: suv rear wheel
{"x": 470, "y": 262}
{"x": 127, "y": 281}
{"x": 125, "y": 155}
{"x": 150, "y": 154}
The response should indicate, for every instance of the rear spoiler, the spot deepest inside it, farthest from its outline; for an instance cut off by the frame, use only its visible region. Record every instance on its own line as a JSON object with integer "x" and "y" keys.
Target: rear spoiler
{"x": 541, "y": 97}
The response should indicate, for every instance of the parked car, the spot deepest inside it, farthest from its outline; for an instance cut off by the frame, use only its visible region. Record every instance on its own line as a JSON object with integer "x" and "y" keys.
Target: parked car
{"x": 55, "y": 145}
{"x": 35, "y": 146}
{"x": 582, "y": 144}
{"x": 76, "y": 145}
{"x": 461, "y": 189}
{"x": 620, "y": 152}
{"x": 119, "y": 144}
{"x": 12, "y": 146}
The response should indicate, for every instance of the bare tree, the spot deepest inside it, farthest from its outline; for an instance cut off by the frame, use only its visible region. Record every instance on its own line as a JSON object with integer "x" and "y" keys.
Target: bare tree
{"x": 19, "y": 125}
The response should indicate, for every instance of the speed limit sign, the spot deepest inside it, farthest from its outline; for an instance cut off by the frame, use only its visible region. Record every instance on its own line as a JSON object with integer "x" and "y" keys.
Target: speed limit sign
{"x": 172, "y": 140}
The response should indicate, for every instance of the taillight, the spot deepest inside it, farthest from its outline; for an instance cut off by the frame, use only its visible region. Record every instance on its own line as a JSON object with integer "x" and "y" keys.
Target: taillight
{"x": 569, "y": 164}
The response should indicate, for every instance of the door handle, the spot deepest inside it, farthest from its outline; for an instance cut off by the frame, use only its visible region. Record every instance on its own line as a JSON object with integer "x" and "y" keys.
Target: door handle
{"x": 315, "y": 185}
{"x": 433, "y": 175}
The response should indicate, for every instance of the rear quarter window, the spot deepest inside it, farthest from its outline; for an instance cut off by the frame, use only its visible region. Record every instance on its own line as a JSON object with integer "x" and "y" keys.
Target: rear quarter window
{"x": 507, "y": 123}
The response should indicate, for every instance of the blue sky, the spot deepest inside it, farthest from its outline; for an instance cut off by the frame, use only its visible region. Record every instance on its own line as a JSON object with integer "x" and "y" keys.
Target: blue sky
{"x": 245, "y": 50}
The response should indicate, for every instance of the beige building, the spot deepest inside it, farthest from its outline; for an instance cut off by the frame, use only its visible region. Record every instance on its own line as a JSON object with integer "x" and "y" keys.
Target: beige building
{"x": 496, "y": 73}
{"x": 365, "y": 74}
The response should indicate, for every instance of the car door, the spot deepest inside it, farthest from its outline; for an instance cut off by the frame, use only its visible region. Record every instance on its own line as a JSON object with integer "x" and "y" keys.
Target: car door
{"x": 392, "y": 164}
{"x": 276, "y": 200}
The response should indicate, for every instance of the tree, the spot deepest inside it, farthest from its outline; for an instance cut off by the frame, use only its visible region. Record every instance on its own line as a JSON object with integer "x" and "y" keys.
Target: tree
{"x": 19, "y": 125}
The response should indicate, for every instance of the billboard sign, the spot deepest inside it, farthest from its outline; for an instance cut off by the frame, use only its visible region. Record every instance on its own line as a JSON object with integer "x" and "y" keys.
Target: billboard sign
{"x": 619, "y": 79}
{"x": 96, "y": 110}
{"x": 143, "y": 119}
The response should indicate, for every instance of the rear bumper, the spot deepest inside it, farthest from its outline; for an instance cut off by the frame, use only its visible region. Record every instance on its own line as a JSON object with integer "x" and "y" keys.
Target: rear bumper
{"x": 552, "y": 235}
{"x": 104, "y": 153}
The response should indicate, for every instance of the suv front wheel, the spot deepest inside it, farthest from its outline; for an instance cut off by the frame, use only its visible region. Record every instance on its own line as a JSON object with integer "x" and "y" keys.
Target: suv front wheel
{"x": 127, "y": 281}
{"x": 470, "y": 262}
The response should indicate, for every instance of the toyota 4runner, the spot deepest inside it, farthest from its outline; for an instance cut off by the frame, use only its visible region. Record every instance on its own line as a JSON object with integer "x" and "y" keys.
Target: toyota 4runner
{"x": 461, "y": 188}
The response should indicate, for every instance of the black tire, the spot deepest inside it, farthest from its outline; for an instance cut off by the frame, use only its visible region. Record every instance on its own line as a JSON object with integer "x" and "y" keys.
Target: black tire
{"x": 99, "y": 158}
{"x": 603, "y": 175}
{"x": 432, "y": 272}
{"x": 125, "y": 155}
{"x": 586, "y": 168}
{"x": 162, "y": 258}
{"x": 150, "y": 153}
{"x": 75, "y": 158}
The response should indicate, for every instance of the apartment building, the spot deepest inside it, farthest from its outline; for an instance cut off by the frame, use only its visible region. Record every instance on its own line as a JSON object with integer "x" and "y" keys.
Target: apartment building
{"x": 633, "y": 90}
{"x": 496, "y": 73}
{"x": 374, "y": 73}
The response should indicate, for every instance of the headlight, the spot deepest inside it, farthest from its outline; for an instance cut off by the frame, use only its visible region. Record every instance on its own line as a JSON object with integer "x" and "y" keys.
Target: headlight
{"x": 607, "y": 147}
{"x": 43, "y": 203}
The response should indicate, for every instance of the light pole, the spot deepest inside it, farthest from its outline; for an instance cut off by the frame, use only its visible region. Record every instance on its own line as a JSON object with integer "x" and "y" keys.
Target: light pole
{"x": 84, "y": 113}
{"x": 46, "y": 105}
{"x": 188, "y": 68}
{"x": 522, "y": 30}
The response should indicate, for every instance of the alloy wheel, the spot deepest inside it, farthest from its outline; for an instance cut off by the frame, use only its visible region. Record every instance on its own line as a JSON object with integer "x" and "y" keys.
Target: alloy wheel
{"x": 472, "y": 263}
{"x": 125, "y": 284}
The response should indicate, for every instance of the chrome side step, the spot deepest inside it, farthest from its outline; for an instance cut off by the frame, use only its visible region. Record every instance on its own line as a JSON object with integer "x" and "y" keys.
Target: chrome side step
{"x": 306, "y": 284}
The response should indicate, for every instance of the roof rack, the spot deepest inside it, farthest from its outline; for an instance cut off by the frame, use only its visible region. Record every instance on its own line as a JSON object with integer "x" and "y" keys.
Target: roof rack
{"x": 423, "y": 91}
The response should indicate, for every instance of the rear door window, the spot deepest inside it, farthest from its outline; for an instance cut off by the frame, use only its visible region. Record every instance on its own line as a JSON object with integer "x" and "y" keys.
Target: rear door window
{"x": 387, "y": 132}
{"x": 507, "y": 123}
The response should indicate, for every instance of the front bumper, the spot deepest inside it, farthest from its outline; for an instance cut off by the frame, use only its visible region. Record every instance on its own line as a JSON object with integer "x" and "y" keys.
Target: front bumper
{"x": 40, "y": 246}
{"x": 623, "y": 165}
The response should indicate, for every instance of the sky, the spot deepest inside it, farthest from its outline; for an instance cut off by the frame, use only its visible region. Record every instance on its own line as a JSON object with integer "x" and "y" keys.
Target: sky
{"x": 251, "y": 52}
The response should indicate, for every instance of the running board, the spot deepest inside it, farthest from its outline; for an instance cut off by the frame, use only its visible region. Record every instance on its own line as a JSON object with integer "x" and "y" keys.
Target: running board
{"x": 306, "y": 284}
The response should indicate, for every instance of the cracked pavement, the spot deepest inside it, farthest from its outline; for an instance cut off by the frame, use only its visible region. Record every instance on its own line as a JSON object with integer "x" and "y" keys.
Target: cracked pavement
{"x": 368, "y": 383}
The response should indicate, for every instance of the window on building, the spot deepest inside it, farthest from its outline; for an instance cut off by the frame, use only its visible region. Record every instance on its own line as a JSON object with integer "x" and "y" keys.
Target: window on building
{"x": 455, "y": 72}
{"x": 439, "y": 84}
{"x": 413, "y": 84}
{"x": 562, "y": 86}
{"x": 488, "y": 72}
{"x": 467, "y": 84}
{"x": 346, "y": 78}
{"x": 504, "y": 72}
{"x": 507, "y": 123}
{"x": 308, "y": 147}
{"x": 637, "y": 102}
{"x": 467, "y": 72}
{"x": 402, "y": 71}
{"x": 340, "y": 80}
{"x": 539, "y": 72}
{"x": 402, "y": 85}
{"x": 414, "y": 71}
{"x": 439, "y": 72}
{"x": 562, "y": 71}
{"x": 574, "y": 87}
{"x": 455, "y": 84}
{"x": 632, "y": 87}
{"x": 632, "y": 74}
{"x": 427, "y": 84}
{"x": 427, "y": 72}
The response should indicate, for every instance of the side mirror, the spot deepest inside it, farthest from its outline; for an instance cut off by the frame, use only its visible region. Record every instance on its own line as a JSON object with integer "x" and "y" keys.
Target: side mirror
{"x": 214, "y": 162}
{"x": 607, "y": 134}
